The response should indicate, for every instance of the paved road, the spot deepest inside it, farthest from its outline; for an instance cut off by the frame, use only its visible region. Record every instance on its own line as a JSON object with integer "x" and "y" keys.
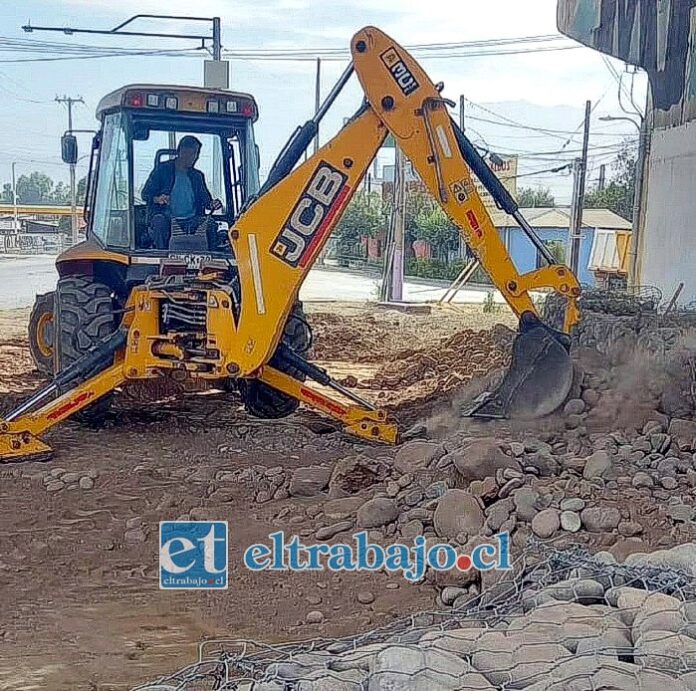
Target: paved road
{"x": 21, "y": 279}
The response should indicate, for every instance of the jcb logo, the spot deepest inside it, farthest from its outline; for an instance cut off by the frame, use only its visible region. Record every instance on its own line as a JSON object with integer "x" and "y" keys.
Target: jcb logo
{"x": 398, "y": 70}
{"x": 311, "y": 218}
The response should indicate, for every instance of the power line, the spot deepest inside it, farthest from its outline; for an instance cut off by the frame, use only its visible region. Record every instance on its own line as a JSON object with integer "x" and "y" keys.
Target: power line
{"x": 48, "y": 51}
{"x": 231, "y": 55}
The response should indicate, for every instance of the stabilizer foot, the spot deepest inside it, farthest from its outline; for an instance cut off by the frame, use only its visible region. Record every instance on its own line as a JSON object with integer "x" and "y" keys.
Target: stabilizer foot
{"x": 22, "y": 446}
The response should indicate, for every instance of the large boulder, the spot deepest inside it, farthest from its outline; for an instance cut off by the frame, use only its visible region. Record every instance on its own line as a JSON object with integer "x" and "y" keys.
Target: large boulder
{"x": 458, "y": 512}
{"x": 684, "y": 432}
{"x": 410, "y": 668}
{"x": 481, "y": 458}
{"x": 415, "y": 456}
{"x": 600, "y": 519}
{"x": 356, "y": 473}
{"x": 309, "y": 481}
{"x": 377, "y": 512}
{"x": 597, "y": 465}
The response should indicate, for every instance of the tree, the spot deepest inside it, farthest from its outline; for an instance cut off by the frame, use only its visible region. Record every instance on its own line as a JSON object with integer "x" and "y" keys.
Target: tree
{"x": 35, "y": 188}
{"x": 39, "y": 188}
{"x": 618, "y": 194}
{"x": 531, "y": 197}
{"x": 434, "y": 226}
{"x": 364, "y": 216}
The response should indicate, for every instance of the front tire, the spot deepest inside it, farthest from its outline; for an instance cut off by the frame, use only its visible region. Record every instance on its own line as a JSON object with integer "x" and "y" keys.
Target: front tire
{"x": 262, "y": 400}
{"x": 42, "y": 333}
{"x": 83, "y": 316}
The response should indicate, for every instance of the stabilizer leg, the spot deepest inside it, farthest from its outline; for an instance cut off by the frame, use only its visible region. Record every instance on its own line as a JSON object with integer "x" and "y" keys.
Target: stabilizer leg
{"x": 363, "y": 421}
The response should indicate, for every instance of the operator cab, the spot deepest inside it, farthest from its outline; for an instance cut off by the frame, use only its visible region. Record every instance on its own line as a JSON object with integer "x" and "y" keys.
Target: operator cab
{"x": 141, "y": 127}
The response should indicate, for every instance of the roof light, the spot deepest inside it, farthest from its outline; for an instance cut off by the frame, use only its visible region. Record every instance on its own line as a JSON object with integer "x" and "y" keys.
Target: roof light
{"x": 231, "y": 106}
{"x": 171, "y": 102}
{"x": 135, "y": 100}
{"x": 213, "y": 106}
{"x": 247, "y": 108}
{"x": 152, "y": 100}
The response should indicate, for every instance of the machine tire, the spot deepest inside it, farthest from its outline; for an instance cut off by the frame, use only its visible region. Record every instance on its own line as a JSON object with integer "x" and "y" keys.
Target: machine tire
{"x": 263, "y": 401}
{"x": 84, "y": 315}
{"x": 42, "y": 333}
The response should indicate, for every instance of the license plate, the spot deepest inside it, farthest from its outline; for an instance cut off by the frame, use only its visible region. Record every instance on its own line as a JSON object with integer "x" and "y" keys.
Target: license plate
{"x": 192, "y": 261}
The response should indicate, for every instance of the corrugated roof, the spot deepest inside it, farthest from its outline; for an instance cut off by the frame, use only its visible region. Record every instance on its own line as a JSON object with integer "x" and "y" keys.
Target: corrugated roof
{"x": 559, "y": 217}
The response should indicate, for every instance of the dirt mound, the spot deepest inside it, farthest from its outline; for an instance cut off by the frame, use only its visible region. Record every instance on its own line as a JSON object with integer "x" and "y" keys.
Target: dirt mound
{"x": 415, "y": 376}
{"x": 337, "y": 337}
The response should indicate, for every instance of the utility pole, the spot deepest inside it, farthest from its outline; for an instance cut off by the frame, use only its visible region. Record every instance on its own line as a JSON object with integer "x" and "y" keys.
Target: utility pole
{"x": 317, "y": 100}
{"x": 602, "y": 177}
{"x": 638, "y": 210}
{"x": 69, "y": 101}
{"x": 15, "y": 222}
{"x": 216, "y": 75}
{"x": 393, "y": 284}
{"x": 580, "y": 170}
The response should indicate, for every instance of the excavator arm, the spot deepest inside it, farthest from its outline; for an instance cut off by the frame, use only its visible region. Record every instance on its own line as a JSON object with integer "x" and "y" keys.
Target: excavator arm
{"x": 276, "y": 241}
{"x": 294, "y": 216}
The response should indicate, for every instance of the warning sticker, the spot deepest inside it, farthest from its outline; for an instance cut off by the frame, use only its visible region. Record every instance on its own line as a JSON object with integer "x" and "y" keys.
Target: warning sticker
{"x": 459, "y": 190}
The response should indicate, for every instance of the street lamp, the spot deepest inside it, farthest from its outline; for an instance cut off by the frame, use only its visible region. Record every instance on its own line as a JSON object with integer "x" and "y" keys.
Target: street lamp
{"x": 611, "y": 118}
{"x": 637, "y": 192}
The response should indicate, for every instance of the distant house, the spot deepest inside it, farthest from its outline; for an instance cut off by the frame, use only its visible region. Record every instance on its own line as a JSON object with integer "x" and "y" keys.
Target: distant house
{"x": 602, "y": 246}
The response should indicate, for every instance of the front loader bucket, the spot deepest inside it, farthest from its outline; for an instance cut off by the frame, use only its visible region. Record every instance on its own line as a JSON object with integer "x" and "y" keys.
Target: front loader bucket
{"x": 538, "y": 380}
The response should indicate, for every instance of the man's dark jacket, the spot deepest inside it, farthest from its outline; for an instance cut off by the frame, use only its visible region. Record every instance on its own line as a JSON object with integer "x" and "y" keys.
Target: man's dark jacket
{"x": 161, "y": 181}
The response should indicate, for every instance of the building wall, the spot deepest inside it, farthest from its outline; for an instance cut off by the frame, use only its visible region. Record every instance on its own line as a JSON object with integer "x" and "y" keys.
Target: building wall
{"x": 657, "y": 35}
{"x": 660, "y": 36}
{"x": 669, "y": 240}
{"x": 524, "y": 254}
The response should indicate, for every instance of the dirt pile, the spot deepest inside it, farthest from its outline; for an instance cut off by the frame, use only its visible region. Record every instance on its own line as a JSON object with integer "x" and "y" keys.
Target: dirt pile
{"x": 415, "y": 376}
{"x": 369, "y": 334}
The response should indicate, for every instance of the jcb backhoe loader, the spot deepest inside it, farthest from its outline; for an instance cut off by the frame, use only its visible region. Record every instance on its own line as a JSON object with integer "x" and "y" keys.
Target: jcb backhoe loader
{"x": 125, "y": 310}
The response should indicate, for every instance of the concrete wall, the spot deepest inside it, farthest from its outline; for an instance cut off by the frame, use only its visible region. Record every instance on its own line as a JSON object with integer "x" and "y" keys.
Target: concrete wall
{"x": 669, "y": 238}
{"x": 524, "y": 254}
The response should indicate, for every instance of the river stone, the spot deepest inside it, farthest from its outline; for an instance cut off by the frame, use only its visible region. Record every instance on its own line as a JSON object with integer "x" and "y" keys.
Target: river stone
{"x": 597, "y": 465}
{"x": 600, "y": 519}
{"x": 377, "y": 512}
{"x": 526, "y": 500}
{"x": 415, "y": 456}
{"x": 309, "y": 481}
{"x": 481, "y": 458}
{"x": 570, "y": 521}
{"x": 546, "y": 523}
{"x": 457, "y": 512}
{"x": 411, "y": 668}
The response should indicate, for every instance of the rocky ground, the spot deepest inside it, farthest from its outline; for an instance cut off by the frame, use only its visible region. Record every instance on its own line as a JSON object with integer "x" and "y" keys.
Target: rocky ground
{"x": 614, "y": 472}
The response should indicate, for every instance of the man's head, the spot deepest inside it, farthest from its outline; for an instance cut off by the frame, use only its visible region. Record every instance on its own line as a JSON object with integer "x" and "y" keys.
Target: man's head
{"x": 187, "y": 151}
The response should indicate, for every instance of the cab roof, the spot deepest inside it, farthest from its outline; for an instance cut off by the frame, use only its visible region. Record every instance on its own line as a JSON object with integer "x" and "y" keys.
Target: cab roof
{"x": 192, "y": 99}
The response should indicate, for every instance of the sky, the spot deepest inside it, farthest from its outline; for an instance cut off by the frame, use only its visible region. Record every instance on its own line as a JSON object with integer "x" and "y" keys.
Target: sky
{"x": 544, "y": 90}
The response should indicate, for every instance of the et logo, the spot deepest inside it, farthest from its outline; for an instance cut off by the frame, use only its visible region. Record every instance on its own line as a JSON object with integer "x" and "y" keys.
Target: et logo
{"x": 193, "y": 555}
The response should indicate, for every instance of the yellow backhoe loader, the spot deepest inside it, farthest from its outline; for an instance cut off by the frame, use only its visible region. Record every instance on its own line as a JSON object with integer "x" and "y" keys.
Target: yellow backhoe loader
{"x": 222, "y": 305}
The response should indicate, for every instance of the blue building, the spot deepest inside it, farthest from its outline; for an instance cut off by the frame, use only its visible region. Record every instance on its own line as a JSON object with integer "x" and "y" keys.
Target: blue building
{"x": 552, "y": 227}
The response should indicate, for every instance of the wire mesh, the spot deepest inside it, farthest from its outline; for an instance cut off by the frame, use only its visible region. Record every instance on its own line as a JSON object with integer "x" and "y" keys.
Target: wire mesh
{"x": 560, "y": 619}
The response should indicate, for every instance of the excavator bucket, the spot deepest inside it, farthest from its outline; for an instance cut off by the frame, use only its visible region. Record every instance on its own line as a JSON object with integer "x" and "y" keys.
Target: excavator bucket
{"x": 539, "y": 378}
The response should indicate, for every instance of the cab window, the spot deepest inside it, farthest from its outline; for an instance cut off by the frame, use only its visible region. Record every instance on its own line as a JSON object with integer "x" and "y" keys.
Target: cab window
{"x": 110, "y": 218}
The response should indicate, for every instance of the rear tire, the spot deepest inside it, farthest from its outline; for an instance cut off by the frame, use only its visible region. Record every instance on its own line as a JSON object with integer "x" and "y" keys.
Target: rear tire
{"x": 84, "y": 315}
{"x": 42, "y": 333}
{"x": 262, "y": 400}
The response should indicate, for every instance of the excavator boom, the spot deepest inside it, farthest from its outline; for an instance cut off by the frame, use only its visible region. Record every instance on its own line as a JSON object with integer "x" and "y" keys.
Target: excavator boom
{"x": 276, "y": 241}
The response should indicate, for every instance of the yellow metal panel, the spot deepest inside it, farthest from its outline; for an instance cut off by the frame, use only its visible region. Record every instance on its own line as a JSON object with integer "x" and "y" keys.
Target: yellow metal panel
{"x": 623, "y": 241}
{"x": 277, "y": 240}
